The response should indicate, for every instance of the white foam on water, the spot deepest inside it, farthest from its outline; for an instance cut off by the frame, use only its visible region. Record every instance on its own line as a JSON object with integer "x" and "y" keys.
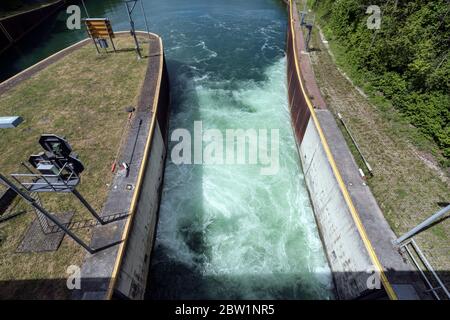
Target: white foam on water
{"x": 244, "y": 234}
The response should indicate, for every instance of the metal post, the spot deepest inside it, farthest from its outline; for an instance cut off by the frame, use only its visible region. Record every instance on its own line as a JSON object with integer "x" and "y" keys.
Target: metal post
{"x": 366, "y": 163}
{"x": 421, "y": 271}
{"x": 12, "y": 215}
{"x": 112, "y": 43}
{"x": 36, "y": 206}
{"x": 85, "y": 9}
{"x": 145, "y": 19}
{"x": 308, "y": 37}
{"x": 96, "y": 47}
{"x": 88, "y": 206}
{"x": 51, "y": 186}
{"x": 423, "y": 225}
{"x": 11, "y": 40}
{"x": 303, "y": 14}
{"x": 26, "y": 167}
{"x": 133, "y": 32}
{"x": 429, "y": 267}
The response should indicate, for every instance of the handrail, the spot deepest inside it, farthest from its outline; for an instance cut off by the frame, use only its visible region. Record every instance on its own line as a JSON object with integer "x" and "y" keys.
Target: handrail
{"x": 428, "y": 266}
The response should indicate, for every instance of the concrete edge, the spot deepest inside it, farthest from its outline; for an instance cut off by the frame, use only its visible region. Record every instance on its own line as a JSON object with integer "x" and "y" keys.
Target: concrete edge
{"x": 142, "y": 170}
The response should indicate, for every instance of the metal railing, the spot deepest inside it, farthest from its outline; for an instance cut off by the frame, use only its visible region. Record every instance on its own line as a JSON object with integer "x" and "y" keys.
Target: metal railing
{"x": 410, "y": 247}
{"x": 38, "y": 179}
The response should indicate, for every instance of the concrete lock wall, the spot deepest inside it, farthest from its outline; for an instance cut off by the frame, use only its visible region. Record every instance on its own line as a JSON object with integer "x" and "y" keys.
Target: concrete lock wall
{"x": 132, "y": 277}
{"x": 133, "y": 273}
{"x": 347, "y": 254}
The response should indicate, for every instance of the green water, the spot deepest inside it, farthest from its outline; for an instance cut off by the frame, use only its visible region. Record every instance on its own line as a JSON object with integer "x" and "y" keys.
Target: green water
{"x": 224, "y": 231}
{"x": 228, "y": 231}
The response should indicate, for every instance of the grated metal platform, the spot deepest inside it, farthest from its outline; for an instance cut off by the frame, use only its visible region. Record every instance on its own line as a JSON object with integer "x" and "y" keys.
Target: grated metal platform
{"x": 35, "y": 240}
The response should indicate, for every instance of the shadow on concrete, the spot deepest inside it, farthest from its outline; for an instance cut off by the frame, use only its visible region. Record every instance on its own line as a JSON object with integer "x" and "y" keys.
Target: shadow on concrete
{"x": 189, "y": 284}
{"x": 40, "y": 289}
{"x": 56, "y": 289}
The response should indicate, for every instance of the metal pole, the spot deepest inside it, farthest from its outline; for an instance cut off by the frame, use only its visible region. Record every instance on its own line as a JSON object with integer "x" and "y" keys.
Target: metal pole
{"x": 96, "y": 47}
{"x": 51, "y": 186}
{"x": 421, "y": 272}
{"x": 88, "y": 206}
{"x": 308, "y": 38}
{"x": 11, "y": 40}
{"x": 12, "y": 215}
{"x": 85, "y": 9}
{"x": 33, "y": 203}
{"x": 423, "y": 225}
{"x": 145, "y": 19}
{"x": 133, "y": 33}
{"x": 429, "y": 267}
{"x": 112, "y": 43}
{"x": 369, "y": 168}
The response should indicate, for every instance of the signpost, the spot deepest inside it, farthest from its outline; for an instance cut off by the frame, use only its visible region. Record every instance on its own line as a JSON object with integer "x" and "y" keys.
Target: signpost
{"x": 130, "y": 5}
{"x": 99, "y": 29}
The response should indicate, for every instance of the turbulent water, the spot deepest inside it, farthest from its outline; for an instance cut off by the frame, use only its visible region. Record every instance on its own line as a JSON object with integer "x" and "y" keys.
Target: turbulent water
{"x": 224, "y": 231}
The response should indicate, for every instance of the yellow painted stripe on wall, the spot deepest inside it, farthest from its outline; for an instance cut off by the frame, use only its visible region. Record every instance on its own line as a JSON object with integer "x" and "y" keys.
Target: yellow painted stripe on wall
{"x": 140, "y": 180}
{"x": 356, "y": 218}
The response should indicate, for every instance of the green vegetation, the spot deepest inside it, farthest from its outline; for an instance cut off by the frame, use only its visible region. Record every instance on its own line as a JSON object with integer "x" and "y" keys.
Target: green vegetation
{"x": 405, "y": 62}
{"x": 408, "y": 184}
{"x": 81, "y": 97}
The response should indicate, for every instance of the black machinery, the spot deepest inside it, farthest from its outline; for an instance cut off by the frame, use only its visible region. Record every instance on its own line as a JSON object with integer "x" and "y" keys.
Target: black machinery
{"x": 56, "y": 169}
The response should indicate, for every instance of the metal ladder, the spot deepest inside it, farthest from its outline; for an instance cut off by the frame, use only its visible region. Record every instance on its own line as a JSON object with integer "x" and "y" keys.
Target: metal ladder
{"x": 43, "y": 221}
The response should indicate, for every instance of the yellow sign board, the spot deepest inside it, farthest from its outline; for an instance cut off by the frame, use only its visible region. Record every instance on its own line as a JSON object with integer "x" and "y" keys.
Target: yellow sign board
{"x": 99, "y": 28}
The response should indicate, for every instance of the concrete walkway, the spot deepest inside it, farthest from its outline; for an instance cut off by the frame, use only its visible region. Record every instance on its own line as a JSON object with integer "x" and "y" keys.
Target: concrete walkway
{"x": 398, "y": 270}
{"x": 101, "y": 269}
